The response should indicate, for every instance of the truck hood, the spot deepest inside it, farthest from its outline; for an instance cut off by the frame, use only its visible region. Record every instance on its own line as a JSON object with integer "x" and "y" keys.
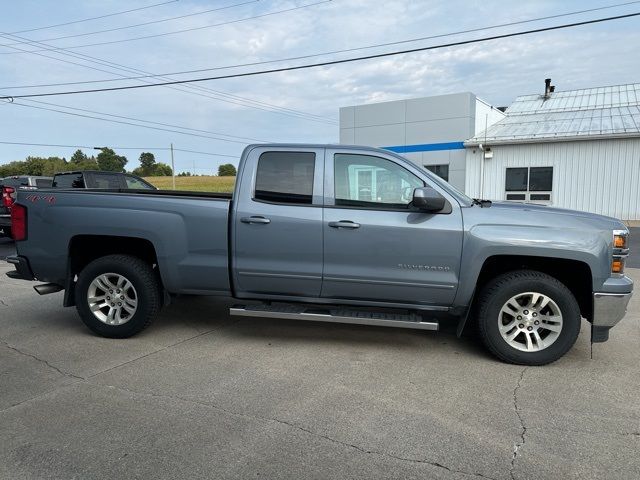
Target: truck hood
{"x": 542, "y": 215}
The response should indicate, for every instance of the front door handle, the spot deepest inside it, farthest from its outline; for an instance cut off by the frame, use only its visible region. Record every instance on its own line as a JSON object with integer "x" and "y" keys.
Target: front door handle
{"x": 344, "y": 224}
{"x": 256, "y": 219}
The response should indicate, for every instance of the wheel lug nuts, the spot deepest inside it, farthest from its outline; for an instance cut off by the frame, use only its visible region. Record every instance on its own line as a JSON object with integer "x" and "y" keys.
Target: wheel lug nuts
{"x": 119, "y": 304}
{"x": 536, "y": 322}
{"x": 121, "y": 297}
{"x": 110, "y": 291}
{"x": 526, "y": 312}
{"x": 519, "y": 317}
{"x": 108, "y": 298}
{"x": 521, "y": 326}
{"x": 113, "y": 304}
{"x": 534, "y": 314}
{"x": 529, "y": 328}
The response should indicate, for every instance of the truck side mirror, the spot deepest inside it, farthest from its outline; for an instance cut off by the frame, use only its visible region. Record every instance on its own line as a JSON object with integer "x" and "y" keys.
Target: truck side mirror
{"x": 428, "y": 199}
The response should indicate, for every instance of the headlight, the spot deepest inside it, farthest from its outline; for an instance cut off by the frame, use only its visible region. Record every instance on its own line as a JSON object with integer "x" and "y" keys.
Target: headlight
{"x": 620, "y": 238}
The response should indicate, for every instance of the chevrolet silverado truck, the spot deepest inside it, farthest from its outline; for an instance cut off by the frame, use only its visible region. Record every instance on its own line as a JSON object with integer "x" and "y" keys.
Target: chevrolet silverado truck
{"x": 331, "y": 233}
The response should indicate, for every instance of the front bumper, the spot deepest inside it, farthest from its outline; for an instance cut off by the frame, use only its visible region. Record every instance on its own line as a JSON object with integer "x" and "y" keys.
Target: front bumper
{"x": 608, "y": 310}
{"x": 22, "y": 268}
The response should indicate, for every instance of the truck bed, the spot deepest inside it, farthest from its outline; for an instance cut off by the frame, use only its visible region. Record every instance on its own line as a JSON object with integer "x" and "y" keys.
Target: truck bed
{"x": 188, "y": 232}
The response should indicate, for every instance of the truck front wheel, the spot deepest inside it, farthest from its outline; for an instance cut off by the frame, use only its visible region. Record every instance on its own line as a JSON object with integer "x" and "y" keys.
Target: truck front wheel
{"x": 528, "y": 318}
{"x": 117, "y": 296}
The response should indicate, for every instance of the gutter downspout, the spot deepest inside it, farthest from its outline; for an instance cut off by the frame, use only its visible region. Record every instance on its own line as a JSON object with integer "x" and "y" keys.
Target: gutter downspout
{"x": 486, "y": 123}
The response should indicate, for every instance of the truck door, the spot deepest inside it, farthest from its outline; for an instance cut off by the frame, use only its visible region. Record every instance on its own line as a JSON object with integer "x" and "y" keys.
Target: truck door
{"x": 277, "y": 223}
{"x": 376, "y": 248}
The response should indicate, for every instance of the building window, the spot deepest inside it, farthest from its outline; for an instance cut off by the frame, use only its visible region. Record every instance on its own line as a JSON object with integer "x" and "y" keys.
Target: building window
{"x": 440, "y": 170}
{"x": 529, "y": 183}
{"x": 285, "y": 177}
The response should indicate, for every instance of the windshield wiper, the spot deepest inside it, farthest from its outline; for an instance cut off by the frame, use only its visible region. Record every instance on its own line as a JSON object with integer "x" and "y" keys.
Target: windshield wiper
{"x": 481, "y": 202}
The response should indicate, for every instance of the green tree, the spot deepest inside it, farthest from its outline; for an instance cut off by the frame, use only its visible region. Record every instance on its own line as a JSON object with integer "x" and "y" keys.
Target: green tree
{"x": 78, "y": 157}
{"x": 110, "y": 162}
{"x": 227, "y": 170}
{"x": 147, "y": 164}
{"x": 162, "y": 170}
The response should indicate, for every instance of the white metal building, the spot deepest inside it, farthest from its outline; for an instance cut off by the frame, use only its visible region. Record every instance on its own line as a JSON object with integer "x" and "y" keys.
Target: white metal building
{"x": 577, "y": 149}
{"x": 429, "y": 131}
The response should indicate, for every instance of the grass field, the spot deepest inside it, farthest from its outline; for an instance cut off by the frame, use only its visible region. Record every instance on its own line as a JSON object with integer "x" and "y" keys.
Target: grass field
{"x": 195, "y": 184}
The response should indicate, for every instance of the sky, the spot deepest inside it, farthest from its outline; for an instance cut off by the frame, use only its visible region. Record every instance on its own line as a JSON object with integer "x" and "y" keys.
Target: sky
{"x": 219, "y": 118}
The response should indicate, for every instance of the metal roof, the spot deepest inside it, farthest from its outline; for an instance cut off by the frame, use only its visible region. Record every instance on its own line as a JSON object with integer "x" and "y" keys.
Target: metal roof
{"x": 571, "y": 115}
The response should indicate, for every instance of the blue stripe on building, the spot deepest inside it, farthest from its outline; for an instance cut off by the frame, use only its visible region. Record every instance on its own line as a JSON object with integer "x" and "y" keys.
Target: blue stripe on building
{"x": 426, "y": 147}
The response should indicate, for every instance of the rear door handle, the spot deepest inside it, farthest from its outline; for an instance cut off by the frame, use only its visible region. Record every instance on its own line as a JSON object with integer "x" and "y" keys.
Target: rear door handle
{"x": 344, "y": 224}
{"x": 259, "y": 220}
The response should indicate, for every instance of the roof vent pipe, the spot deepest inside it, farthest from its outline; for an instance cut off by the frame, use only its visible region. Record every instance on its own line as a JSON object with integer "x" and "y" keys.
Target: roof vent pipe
{"x": 548, "y": 88}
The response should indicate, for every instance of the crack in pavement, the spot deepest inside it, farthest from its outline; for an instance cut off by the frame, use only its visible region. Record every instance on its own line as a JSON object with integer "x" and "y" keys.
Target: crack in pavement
{"x": 85, "y": 379}
{"x": 518, "y": 445}
{"x": 53, "y": 367}
{"x": 43, "y": 394}
{"x": 162, "y": 349}
{"x": 296, "y": 427}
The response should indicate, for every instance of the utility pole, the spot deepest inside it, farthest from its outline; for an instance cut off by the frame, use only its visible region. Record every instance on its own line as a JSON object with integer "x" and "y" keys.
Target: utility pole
{"x": 173, "y": 169}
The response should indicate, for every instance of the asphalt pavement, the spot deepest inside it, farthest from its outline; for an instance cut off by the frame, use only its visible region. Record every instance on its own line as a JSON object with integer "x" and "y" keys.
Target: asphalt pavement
{"x": 7, "y": 247}
{"x": 200, "y": 394}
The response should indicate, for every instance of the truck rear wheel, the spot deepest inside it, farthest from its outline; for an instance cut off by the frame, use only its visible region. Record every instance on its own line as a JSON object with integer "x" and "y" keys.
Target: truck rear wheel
{"x": 117, "y": 296}
{"x": 528, "y": 318}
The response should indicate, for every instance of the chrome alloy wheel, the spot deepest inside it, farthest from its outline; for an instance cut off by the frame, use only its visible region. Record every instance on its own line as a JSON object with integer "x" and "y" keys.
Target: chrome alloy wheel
{"x": 112, "y": 299}
{"x": 530, "y": 321}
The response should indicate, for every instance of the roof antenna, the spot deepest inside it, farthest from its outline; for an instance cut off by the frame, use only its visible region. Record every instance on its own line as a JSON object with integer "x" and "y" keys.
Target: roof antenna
{"x": 548, "y": 88}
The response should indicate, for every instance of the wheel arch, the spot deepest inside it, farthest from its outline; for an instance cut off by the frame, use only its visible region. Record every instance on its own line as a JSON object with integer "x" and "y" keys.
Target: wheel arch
{"x": 575, "y": 274}
{"x": 83, "y": 249}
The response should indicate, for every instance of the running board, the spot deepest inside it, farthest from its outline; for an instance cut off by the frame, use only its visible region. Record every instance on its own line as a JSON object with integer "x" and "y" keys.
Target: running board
{"x": 355, "y": 317}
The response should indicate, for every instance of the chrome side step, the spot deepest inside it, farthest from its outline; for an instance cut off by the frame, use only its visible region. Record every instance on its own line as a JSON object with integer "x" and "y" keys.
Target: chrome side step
{"x": 355, "y": 317}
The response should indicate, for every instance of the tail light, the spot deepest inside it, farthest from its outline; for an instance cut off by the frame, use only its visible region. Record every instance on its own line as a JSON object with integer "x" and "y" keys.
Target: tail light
{"x": 7, "y": 197}
{"x": 19, "y": 222}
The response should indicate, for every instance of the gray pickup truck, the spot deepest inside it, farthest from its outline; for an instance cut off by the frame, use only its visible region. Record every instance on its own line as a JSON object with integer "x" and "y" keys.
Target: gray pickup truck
{"x": 337, "y": 234}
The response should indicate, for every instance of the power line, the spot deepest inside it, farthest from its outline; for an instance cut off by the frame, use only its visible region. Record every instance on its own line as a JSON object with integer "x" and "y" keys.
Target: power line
{"x": 229, "y": 22}
{"x": 147, "y": 121}
{"x": 205, "y": 153}
{"x": 95, "y": 18}
{"x": 303, "y": 57}
{"x": 116, "y": 148}
{"x": 331, "y": 62}
{"x": 129, "y": 123}
{"x": 208, "y": 93}
{"x": 151, "y": 22}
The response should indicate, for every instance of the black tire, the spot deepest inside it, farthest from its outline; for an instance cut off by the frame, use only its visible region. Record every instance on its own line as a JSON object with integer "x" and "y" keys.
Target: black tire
{"x": 502, "y": 288}
{"x": 144, "y": 281}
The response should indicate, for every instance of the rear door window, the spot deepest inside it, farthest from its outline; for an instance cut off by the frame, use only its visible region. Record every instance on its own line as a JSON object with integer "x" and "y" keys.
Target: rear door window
{"x": 74, "y": 180}
{"x": 285, "y": 177}
{"x": 106, "y": 180}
